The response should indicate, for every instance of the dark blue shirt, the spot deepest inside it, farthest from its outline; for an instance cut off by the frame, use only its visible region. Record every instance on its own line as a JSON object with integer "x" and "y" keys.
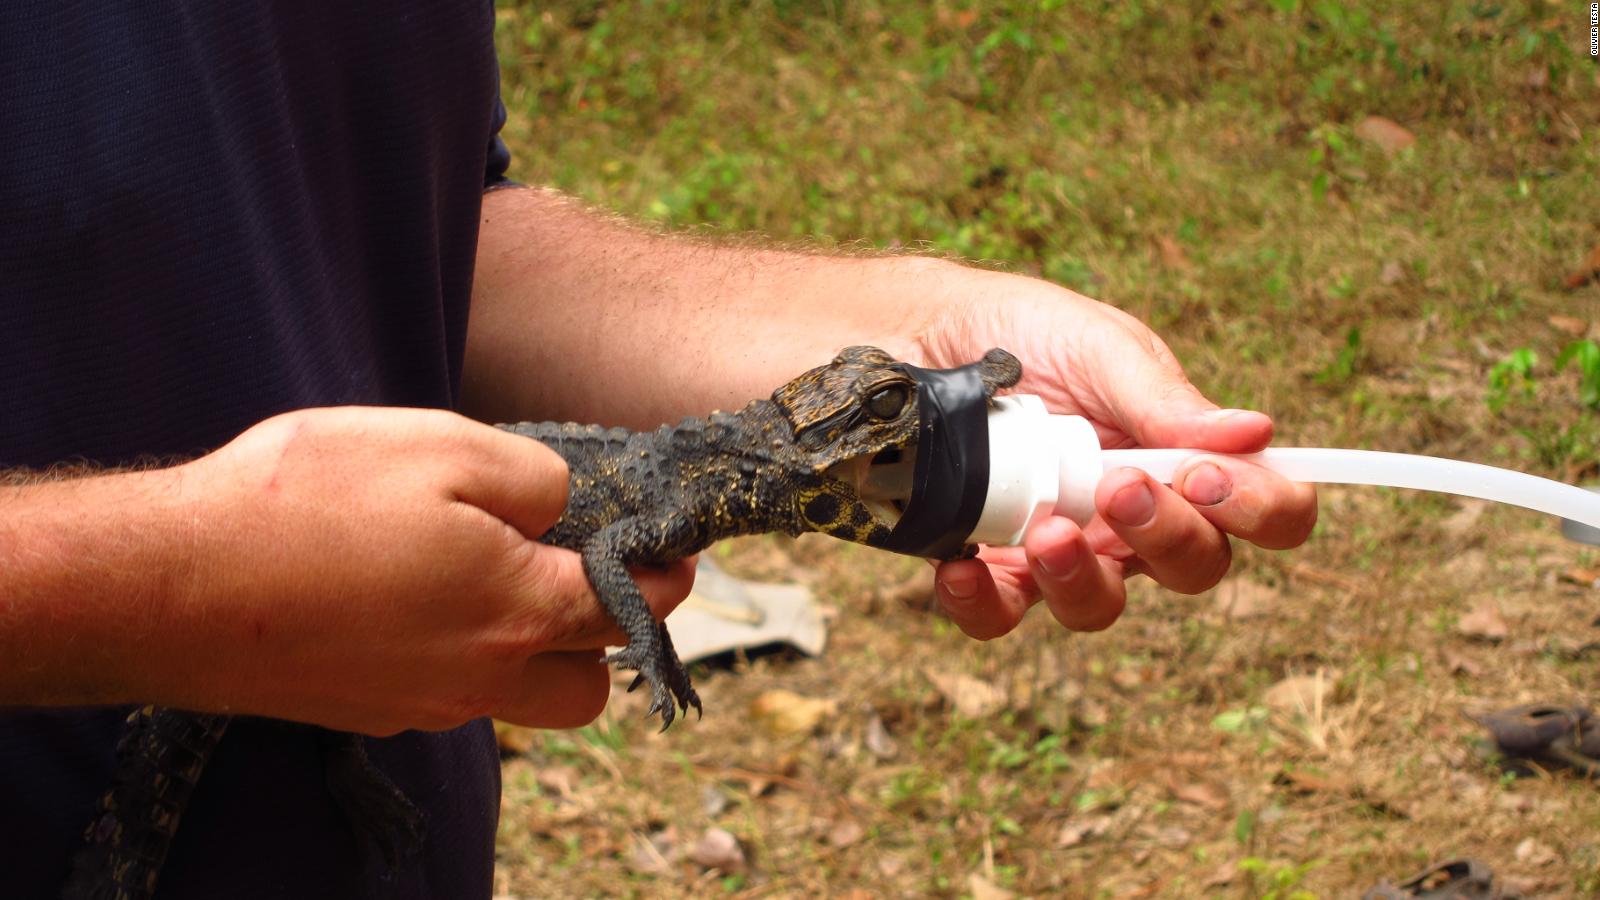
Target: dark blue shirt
{"x": 211, "y": 213}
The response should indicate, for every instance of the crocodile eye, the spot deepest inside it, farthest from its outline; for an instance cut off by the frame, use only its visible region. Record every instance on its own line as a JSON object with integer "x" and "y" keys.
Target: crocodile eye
{"x": 887, "y": 403}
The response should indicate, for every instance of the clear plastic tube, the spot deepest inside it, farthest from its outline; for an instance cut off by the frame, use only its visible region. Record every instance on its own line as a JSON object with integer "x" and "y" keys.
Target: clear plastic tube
{"x": 1402, "y": 470}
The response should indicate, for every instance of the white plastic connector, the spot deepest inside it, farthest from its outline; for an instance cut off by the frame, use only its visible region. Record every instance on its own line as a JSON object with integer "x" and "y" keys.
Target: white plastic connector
{"x": 1041, "y": 464}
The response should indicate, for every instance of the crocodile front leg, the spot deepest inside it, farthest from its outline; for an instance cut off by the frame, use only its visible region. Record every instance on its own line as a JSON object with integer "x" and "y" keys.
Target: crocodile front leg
{"x": 606, "y": 557}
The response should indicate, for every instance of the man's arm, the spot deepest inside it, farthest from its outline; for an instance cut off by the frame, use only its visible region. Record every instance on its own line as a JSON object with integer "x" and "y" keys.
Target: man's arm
{"x": 92, "y": 567}
{"x": 366, "y": 569}
{"x": 577, "y": 316}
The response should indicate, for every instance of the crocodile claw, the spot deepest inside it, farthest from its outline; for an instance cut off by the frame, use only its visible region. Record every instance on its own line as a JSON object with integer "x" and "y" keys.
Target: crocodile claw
{"x": 670, "y": 688}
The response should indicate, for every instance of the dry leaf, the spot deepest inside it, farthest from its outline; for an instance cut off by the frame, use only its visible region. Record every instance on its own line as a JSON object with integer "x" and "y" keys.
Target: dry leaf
{"x": 984, "y": 889}
{"x": 1391, "y": 274}
{"x": 718, "y": 849}
{"x": 1580, "y": 576}
{"x": 1201, "y": 793}
{"x": 1075, "y": 831}
{"x": 969, "y": 696}
{"x": 1484, "y": 623}
{"x": 1570, "y": 324}
{"x": 1303, "y": 782}
{"x": 1172, "y": 255}
{"x": 785, "y": 712}
{"x": 1222, "y": 876}
{"x": 1172, "y": 837}
{"x": 1386, "y": 134}
{"x": 1591, "y": 266}
{"x": 956, "y": 18}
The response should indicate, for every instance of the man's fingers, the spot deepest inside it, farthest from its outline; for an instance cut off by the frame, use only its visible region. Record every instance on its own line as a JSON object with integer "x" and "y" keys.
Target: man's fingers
{"x": 516, "y": 479}
{"x": 973, "y": 599}
{"x": 1083, "y": 591}
{"x": 565, "y": 613}
{"x": 560, "y": 690}
{"x": 1176, "y": 545}
{"x": 1243, "y": 499}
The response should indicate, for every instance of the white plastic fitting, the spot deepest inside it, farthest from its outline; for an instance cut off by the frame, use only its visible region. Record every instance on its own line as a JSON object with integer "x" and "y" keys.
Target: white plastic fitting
{"x": 1042, "y": 464}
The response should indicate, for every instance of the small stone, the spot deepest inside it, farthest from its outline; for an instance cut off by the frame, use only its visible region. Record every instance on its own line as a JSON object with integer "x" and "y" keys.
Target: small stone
{"x": 877, "y": 738}
{"x": 718, "y": 849}
{"x": 1534, "y": 853}
{"x": 845, "y": 832}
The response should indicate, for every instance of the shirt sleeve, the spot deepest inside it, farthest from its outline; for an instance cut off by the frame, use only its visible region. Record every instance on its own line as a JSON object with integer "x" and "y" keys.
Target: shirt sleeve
{"x": 498, "y": 159}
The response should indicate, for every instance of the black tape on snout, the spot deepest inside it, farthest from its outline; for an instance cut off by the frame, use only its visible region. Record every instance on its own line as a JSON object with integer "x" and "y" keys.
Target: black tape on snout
{"x": 951, "y": 477}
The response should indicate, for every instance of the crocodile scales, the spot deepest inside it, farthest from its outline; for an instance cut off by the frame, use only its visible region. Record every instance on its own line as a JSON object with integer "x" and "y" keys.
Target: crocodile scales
{"x": 783, "y": 464}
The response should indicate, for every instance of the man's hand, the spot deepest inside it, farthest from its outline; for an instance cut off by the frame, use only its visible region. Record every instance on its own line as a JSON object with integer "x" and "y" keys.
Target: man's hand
{"x": 364, "y": 569}
{"x": 1089, "y": 359}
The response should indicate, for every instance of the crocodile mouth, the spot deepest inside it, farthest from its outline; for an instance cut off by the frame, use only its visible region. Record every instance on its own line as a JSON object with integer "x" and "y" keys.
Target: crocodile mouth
{"x": 882, "y": 481}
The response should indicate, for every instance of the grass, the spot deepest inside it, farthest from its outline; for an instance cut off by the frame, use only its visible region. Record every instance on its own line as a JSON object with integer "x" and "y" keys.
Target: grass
{"x": 1200, "y": 165}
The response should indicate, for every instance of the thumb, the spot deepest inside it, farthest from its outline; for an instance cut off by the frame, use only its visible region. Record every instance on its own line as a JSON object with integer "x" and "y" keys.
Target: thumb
{"x": 516, "y": 479}
{"x": 1153, "y": 402}
{"x": 563, "y": 609}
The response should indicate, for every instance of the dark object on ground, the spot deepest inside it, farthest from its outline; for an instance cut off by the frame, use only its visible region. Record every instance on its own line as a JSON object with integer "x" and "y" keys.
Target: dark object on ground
{"x": 789, "y": 464}
{"x": 1537, "y": 737}
{"x": 1458, "y": 879}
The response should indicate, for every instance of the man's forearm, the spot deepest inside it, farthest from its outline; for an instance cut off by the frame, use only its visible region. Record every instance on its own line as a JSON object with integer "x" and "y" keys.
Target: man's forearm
{"x": 579, "y": 316}
{"x": 89, "y": 568}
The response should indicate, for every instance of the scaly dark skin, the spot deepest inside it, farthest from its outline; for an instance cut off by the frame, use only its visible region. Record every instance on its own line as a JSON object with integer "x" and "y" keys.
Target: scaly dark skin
{"x": 786, "y": 464}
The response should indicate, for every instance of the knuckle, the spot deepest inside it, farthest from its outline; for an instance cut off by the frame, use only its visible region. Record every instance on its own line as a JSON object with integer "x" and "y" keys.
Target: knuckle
{"x": 1287, "y": 525}
{"x": 1165, "y": 541}
{"x": 1201, "y": 570}
{"x": 1089, "y": 611}
{"x": 988, "y": 628}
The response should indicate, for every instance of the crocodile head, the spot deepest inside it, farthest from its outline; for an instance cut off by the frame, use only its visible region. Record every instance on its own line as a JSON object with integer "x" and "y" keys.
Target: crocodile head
{"x": 855, "y": 423}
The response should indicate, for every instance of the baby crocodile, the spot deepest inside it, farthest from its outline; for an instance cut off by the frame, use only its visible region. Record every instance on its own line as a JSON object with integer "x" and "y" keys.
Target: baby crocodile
{"x": 792, "y": 463}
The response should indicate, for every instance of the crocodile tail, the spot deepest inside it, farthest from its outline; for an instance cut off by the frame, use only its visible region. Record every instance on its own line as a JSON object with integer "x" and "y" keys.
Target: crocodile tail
{"x": 159, "y": 761}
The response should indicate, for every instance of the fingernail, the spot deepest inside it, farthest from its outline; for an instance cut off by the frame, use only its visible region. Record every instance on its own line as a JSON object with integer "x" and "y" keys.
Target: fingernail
{"x": 961, "y": 588}
{"x": 1061, "y": 561}
{"x": 1206, "y": 485}
{"x": 1133, "y": 505}
{"x": 1217, "y": 415}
